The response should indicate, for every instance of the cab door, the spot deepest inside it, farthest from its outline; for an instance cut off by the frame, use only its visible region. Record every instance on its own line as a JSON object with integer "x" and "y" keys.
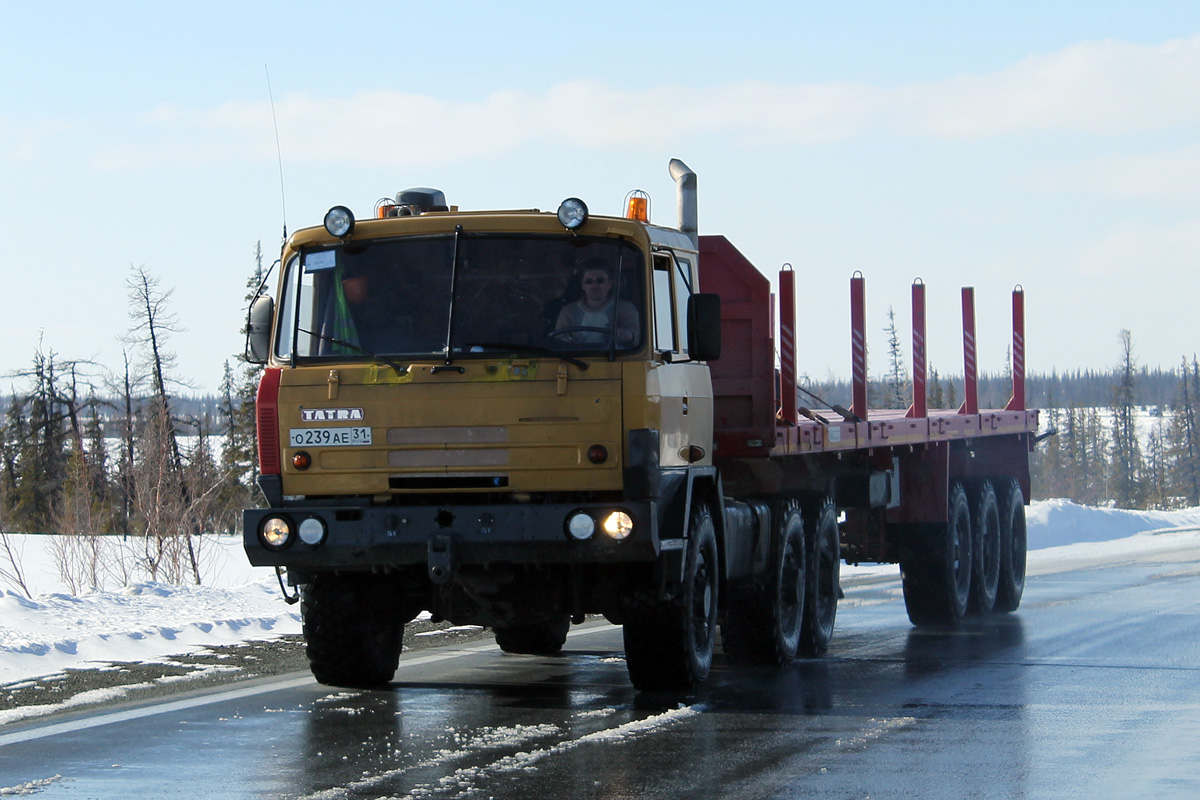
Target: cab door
{"x": 682, "y": 386}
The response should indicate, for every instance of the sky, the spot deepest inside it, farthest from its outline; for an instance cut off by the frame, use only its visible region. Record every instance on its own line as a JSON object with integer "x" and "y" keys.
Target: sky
{"x": 1051, "y": 145}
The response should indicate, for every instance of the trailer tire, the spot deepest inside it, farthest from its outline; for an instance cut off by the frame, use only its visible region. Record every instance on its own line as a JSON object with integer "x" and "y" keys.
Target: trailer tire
{"x": 985, "y": 525}
{"x": 534, "y": 639}
{"x": 937, "y": 571}
{"x": 669, "y": 641}
{"x": 764, "y": 625}
{"x": 824, "y": 581}
{"x": 1013, "y": 549}
{"x": 353, "y": 632}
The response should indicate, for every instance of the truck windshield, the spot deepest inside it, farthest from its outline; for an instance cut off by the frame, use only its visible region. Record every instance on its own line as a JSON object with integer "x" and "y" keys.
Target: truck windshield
{"x": 392, "y": 297}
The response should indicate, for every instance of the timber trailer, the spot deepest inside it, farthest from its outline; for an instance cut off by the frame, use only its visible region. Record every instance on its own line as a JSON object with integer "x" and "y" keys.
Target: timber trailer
{"x": 515, "y": 419}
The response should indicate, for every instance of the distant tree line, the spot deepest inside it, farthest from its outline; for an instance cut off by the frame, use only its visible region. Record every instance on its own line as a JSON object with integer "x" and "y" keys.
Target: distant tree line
{"x": 121, "y": 456}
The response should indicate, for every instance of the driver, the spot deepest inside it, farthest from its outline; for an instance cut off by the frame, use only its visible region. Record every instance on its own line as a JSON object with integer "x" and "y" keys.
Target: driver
{"x": 595, "y": 309}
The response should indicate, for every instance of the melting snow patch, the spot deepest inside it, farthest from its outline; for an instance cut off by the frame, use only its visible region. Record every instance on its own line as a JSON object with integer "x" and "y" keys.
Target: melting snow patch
{"x": 28, "y": 788}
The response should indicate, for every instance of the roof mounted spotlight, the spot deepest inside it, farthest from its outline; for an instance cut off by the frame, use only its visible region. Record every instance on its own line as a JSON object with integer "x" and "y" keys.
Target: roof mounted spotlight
{"x": 572, "y": 213}
{"x": 339, "y": 221}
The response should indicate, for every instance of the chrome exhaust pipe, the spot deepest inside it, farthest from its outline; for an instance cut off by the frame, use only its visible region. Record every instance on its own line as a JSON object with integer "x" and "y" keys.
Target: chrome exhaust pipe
{"x": 685, "y": 192}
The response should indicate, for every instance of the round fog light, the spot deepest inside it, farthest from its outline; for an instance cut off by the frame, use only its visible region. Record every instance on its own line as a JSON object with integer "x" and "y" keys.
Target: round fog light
{"x": 312, "y": 531}
{"x": 581, "y": 526}
{"x": 339, "y": 221}
{"x": 275, "y": 533}
{"x": 572, "y": 213}
{"x": 618, "y": 525}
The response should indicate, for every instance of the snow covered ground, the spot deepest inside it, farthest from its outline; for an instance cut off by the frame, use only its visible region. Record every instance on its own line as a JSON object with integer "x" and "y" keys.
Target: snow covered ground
{"x": 148, "y": 621}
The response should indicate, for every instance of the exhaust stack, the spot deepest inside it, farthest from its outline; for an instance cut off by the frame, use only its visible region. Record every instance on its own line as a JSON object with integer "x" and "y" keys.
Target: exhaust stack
{"x": 685, "y": 186}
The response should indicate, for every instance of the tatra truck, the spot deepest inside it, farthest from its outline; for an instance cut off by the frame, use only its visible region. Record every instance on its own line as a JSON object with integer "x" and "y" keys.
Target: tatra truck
{"x": 516, "y": 419}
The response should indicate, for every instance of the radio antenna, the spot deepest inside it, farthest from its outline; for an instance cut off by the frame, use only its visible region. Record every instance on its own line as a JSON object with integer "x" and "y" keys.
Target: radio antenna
{"x": 278, "y": 153}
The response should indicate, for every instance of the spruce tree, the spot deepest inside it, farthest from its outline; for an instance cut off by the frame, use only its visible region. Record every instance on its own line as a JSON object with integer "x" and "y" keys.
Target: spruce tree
{"x": 1126, "y": 488}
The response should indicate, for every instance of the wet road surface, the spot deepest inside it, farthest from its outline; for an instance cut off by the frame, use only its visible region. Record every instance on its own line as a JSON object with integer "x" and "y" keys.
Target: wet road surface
{"x": 1091, "y": 690}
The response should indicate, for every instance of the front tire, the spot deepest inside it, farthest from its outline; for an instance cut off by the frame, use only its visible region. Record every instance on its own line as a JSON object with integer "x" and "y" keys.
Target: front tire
{"x": 353, "y": 629}
{"x": 669, "y": 642}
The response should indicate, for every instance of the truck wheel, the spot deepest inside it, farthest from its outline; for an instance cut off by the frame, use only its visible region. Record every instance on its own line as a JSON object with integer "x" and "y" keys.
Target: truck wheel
{"x": 824, "y": 581}
{"x": 669, "y": 643}
{"x": 353, "y": 631}
{"x": 937, "y": 570}
{"x": 985, "y": 524}
{"x": 764, "y": 626}
{"x": 535, "y": 639}
{"x": 1013, "y": 547}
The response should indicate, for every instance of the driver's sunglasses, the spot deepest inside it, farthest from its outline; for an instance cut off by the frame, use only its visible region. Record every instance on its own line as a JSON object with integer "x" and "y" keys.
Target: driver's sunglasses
{"x": 590, "y": 281}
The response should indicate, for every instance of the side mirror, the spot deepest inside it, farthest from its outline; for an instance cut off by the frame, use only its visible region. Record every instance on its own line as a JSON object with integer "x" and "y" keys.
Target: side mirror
{"x": 704, "y": 326}
{"x": 258, "y": 329}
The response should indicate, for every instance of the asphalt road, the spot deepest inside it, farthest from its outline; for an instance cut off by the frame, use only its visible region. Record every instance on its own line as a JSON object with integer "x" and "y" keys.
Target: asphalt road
{"x": 1090, "y": 691}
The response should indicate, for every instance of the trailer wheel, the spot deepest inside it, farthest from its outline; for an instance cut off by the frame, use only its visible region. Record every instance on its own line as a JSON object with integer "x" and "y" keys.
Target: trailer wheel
{"x": 937, "y": 570}
{"x": 1013, "y": 547}
{"x": 764, "y": 625}
{"x": 535, "y": 639}
{"x": 985, "y": 524}
{"x": 669, "y": 642}
{"x": 824, "y": 581}
{"x": 353, "y": 629}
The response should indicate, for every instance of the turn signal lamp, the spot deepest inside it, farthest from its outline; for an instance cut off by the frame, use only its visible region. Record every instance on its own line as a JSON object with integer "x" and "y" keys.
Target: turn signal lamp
{"x": 637, "y": 206}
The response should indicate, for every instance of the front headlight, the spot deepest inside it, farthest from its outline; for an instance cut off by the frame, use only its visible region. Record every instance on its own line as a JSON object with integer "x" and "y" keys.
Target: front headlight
{"x": 618, "y": 525}
{"x": 275, "y": 533}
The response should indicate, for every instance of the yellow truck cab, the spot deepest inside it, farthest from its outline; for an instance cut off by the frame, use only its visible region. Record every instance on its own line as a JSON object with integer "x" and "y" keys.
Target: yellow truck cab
{"x": 503, "y": 418}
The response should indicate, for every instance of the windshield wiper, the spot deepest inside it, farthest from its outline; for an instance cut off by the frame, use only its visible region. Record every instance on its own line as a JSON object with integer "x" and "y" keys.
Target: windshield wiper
{"x": 524, "y": 348}
{"x": 400, "y": 370}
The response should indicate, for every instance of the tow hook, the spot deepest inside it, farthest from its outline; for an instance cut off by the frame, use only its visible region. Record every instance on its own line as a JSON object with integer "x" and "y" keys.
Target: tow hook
{"x": 441, "y": 559}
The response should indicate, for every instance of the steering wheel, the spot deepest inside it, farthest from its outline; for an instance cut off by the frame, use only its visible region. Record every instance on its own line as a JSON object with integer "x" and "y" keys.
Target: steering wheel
{"x": 559, "y": 332}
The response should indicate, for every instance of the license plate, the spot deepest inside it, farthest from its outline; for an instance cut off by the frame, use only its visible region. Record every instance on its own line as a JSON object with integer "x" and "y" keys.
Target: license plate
{"x": 328, "y": 437}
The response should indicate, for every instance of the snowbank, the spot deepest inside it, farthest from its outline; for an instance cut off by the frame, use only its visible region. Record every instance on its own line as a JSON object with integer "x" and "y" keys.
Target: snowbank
{"x": 150, "y": 621}
{"x": 142, "y": 622}
{"x": 1053, "y": 523}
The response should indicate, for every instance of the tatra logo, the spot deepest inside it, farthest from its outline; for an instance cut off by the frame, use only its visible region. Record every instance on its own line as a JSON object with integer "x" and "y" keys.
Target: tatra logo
{"x": 331, "y": 414}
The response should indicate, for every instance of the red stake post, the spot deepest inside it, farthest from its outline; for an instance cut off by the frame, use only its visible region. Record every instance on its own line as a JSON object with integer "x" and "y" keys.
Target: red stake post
{"x": 1017, "y": 401}
{"x": 787, "y": 344}
{"x": 970, "y": 369}
{"x": 858, "y": 343}
{"x": 918, "y": 409}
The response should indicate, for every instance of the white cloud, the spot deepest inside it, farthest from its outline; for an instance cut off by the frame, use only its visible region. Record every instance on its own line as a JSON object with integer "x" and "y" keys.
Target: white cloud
{"x": 1150, "y": 258}
{"x": 1100, "y": 88}
{"x": 1172, "y": 174}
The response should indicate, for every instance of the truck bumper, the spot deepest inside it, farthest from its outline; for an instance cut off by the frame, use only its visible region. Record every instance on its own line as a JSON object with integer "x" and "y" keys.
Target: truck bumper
{"x": 446, "y": 537}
